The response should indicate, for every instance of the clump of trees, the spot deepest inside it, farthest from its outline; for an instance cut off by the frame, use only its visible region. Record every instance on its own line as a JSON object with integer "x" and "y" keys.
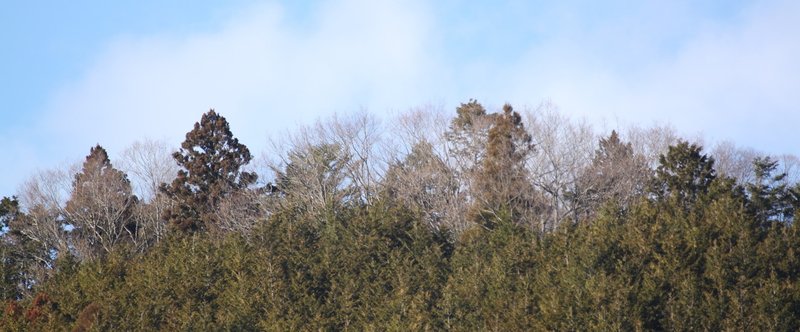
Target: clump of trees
{"x": 479, "y": 221}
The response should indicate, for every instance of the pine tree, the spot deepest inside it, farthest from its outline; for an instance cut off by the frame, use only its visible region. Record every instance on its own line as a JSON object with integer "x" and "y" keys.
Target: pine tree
{"x": 211, "y": 160}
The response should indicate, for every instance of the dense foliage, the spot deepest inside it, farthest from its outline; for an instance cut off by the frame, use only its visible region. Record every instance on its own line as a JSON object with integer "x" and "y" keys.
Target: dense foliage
{"x": 439, "y": 243}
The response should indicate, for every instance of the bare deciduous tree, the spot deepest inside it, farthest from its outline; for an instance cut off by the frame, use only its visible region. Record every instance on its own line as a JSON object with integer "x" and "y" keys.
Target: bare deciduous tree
{"x": 652, "y": 142}
{"x": 423, "y": 174}
{"x": 149, "y": 163}
{"x": 425, "y": 183}
{"x": 42, "y": 198}
{"x": 790, "y": 165}
{"x": 735, "y": 162}
{"x": 101, "y": 206}
{"x": 419, "y": 125}
{"x": 616, "y": 174}
{"x": 564, "y": 150}
{"x": 360, "y": 136}
{"x": 241, "y": 211}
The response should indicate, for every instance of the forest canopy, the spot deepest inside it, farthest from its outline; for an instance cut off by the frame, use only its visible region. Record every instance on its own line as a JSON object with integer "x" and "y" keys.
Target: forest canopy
{"x": 467, "y": 220}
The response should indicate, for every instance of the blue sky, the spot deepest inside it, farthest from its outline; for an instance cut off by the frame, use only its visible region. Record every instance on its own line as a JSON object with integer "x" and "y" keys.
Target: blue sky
{"x": 73, "y": 74}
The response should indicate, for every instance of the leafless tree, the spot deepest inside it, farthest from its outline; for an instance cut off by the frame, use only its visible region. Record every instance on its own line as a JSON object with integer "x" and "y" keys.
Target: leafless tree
{"x": 426, "y": 124}
{"x": 149, "y": 163}
{"x": 650, "y": 142}
{"x": 360, "y": 136}
{"x": 735, "y": 162}
{"x": 42, "y": 198}
{"x": 425, "y": 183}
{"x": 241, "y": 211}
{"x": 151, "y": 227}
{"x": 790, "y": 164}
{"x": 101, "y": 207}
{"x": 423, "y": 175}
{"x": 564, "y": 149}
{"x": 616, "y": 174}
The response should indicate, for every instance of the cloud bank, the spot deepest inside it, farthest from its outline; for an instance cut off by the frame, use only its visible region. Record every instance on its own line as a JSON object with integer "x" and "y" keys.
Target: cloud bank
{"x": 266, "y": 70}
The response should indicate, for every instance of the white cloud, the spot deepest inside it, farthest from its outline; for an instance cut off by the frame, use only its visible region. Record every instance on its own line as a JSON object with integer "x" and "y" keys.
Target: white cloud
{"x": 260, "y": 71}
{"x": 734, "y": 78}
{"x": 730, "y": 80}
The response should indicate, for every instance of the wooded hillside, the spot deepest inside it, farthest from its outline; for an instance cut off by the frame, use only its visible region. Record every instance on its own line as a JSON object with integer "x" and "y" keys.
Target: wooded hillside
{"x": 473, "y": 220}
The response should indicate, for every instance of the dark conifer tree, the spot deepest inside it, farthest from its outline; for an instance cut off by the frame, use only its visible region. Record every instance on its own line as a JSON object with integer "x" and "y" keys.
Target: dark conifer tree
{"x": 684, "y": 173}
{"x": 211, "y": 160}
{"x": 10, "y": 260}
{"x": 770, "y": 197}
{"x": 9, "y": 207}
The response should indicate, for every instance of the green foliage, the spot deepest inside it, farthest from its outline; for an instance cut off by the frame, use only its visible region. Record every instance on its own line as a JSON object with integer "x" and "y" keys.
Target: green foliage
{"x": 684, "y": 173}
{"x": 17, "y": 253}
{"x": 698, "y": 253}
{"x": 9, "y": 209}
{"x": 9, "y": 258}
{"x": 491, "y": 284}
{"x": 770, "y": 197}
{"x": 314, "y": 179}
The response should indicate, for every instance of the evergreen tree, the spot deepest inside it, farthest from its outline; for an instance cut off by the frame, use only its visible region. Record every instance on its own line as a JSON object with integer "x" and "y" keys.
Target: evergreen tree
{"x": 616, "y": 174}
{"x": 211, "y": 160}
{"x": 23, "y": 258}
{"x": 684, "y": 173}
{"x": 770, "y": 197}
{"x": 468, "y": 135}
{"x": 314, "y": 179}
{"x": 502, "y": 180}
{"x": 10, "y": 260}
{"x": 9, "y": 208}
{"x": 101, "y": 206}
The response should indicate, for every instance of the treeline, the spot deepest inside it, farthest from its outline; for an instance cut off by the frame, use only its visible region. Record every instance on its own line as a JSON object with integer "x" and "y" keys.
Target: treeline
{"x": 477, "y": 221}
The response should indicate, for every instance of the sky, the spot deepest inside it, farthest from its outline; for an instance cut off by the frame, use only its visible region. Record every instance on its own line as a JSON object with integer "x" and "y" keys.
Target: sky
{"x": 78, "y": 73}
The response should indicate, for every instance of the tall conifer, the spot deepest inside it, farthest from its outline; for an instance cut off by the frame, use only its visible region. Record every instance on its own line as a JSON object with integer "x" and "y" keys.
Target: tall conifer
{"x": 211, "y": 160}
